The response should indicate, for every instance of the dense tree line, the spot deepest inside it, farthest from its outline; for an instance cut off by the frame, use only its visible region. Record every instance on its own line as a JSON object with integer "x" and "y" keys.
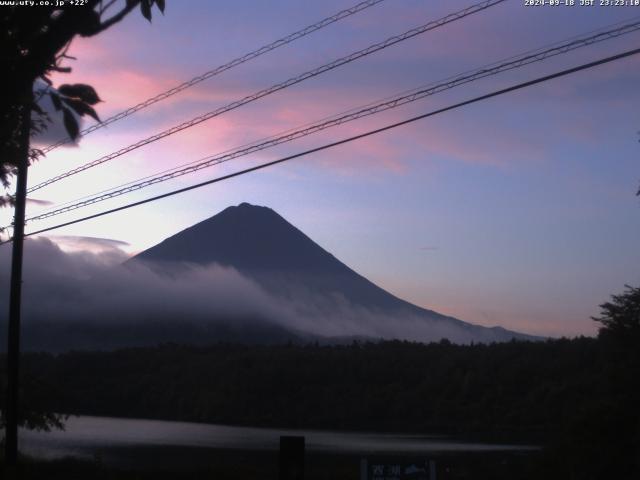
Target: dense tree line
{"x": 516, "y": 388}
{"x": 574, "y": 396}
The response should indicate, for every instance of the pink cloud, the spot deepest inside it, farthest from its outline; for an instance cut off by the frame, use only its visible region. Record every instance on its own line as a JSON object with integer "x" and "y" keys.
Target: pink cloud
{"x": 120, "y": 88}
{"x": 120, "y": 81}
{"x": 478, "y": 146}
{"x": 365, "y": 156}
{"x": 453, "y": 135}
{"x": 255, "y": 121}
{"x": 259, "y": 121}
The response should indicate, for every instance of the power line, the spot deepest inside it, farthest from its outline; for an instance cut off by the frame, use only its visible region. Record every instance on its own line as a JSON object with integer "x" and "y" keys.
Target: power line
{"x": 279, "y": 86}
{"x": 349, "y": 139}
{"x": 412, "y": 96}
{"x": 222, "y": 68}
{"x": 595, "y": 33}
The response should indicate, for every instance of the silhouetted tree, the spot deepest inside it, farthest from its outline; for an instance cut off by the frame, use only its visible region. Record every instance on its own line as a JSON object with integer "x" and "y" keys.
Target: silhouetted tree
{"x": 620, "y": 318}
{"x": 34, "y": 40}
{"x": 610, "y": 429}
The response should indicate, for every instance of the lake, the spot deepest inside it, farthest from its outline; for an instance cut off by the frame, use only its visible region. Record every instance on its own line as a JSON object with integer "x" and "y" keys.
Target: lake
{"x": 111, "y": 438}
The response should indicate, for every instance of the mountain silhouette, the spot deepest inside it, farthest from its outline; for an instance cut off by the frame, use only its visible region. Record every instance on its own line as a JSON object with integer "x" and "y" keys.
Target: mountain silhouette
{"x": 262, "y": 245}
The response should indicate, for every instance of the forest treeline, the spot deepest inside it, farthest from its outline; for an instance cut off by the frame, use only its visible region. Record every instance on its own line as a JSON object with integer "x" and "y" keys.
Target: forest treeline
{"x": 576, "y": 397}
{"x": 525, "y": 390}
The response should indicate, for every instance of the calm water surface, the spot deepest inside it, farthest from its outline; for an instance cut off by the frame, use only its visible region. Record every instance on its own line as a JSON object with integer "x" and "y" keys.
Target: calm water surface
{"x": 87, "y": 437}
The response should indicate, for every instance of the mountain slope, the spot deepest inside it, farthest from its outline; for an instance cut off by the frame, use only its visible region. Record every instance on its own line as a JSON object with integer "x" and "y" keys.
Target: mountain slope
{"x": 262, "y": 245}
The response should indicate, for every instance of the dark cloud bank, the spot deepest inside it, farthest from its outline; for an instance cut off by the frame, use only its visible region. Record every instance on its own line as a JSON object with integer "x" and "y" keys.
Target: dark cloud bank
{"x": 87, "y": 300}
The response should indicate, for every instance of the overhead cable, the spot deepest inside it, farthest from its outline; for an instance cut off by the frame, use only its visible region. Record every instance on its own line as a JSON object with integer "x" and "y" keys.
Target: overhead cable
{"x": 496, "y": 93}
{"x": 452, "y": 82}
{"x": 452, "y": 17}
{"x": 222, "y": 68}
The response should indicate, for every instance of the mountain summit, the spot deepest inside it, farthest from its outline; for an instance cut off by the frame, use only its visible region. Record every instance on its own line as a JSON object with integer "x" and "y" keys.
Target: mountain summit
{"x": 262, "y": 245}
{"x": 248, "y": 238}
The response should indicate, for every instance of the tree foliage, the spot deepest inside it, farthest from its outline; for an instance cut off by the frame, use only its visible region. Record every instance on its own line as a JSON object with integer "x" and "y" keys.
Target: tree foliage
{"x": 620, "y": 317}
{"x": 34, "y": 42}
{"x": 614, "y": 423}
{"x": 520, "y": 389}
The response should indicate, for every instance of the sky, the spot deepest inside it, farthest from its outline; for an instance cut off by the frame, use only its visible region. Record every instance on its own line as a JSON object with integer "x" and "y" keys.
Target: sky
{"x": 519, "y": 211}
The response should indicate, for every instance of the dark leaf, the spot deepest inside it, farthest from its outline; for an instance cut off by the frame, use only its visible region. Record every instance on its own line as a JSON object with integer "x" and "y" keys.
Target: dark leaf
{"x": 160, "y": 4}
{"x": 46, "y": 79}
{"x": 55, "y": 98}
{"x": 86, "y": 93}
{"x": 145, "y": 8}
{"x": 70, "y": 123}
{"x": 81, "y": 108}
{"x": 92, "y": 113}
{"x": 36, "y": 108}
{"x": 7, "y": 200}
{"x": 90, "y": 23}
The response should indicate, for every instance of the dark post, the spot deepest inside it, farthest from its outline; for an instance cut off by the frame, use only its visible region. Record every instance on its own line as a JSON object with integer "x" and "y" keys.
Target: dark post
{"x": 13, "y": 337}
{"x": 291, "y": 458}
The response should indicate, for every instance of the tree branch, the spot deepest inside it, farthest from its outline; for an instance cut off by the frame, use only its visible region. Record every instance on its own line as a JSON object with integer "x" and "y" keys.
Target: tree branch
{"x": 115, "y": 19}
{"x": 66, "y": 26}
{"x": 106, "y": 7}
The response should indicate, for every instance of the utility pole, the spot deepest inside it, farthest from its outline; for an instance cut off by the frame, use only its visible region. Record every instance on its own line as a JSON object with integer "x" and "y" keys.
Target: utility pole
{"x": 13, "y": 337}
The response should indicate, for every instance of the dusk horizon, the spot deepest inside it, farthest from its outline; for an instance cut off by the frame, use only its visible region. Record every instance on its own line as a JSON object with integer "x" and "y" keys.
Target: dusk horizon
{"x": 518, "y": 211}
